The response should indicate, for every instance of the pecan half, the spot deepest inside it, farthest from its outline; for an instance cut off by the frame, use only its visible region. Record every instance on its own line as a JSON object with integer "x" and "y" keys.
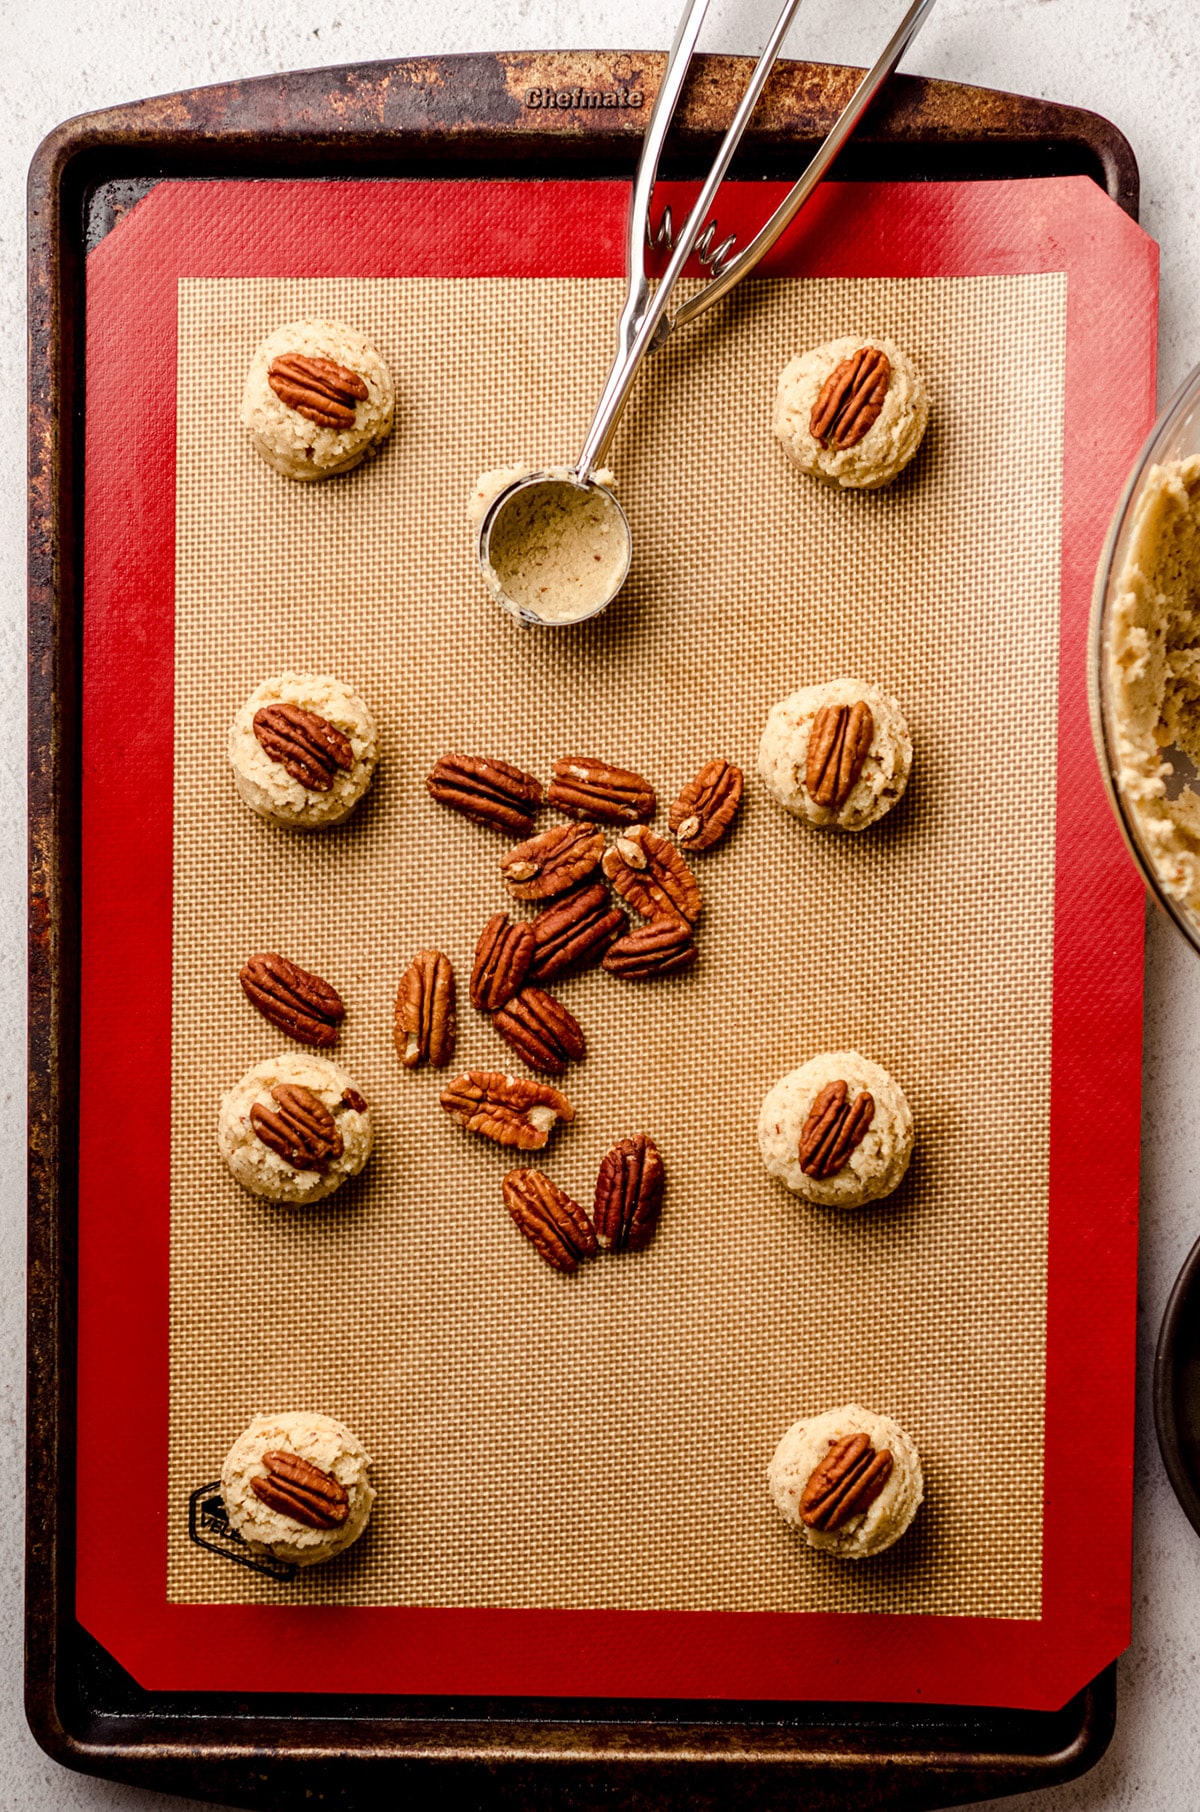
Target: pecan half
{"x": 549, "y": 1219}
{"x": 302, "y": 1132}
{"x": 300, "y": 1004}
{"x": 594, "y": 789}
{"x": 512, "y": 1110}
{"x": 629, "y": 1193}
{"x": 574, "y": 932}
{"x": 426, "y": 1020}
{"x": 835, "y": 1126}
{"x": 663, "y": 947}
{"x": 651, "y": 874}
{"x": 838, "y": 745}
{"x": 708, "y": 805}
{"x": 305, "y": 1492}
{"x": 851, "y": 399}
{"x": 553, "y": 862}
{"x": 502, "y": 958}
{"x": 488, "y": 792}
{"x": 845, "y": 1483}
{"x": 320, "y": 389}
{"x": 541, "y": 1031}
{"x": 305, "y": 743}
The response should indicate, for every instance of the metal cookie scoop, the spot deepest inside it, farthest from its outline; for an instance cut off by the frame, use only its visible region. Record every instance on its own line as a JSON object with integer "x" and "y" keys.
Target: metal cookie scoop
{"x": 574, "y": 526}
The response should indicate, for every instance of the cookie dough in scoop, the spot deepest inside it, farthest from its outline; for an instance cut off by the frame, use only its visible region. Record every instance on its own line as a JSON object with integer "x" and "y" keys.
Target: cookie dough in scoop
{"x": 558, "y": 550}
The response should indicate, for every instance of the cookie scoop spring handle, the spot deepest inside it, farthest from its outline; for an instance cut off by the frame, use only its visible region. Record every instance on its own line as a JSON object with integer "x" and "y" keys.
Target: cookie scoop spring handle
{"x": 645, "y": 322}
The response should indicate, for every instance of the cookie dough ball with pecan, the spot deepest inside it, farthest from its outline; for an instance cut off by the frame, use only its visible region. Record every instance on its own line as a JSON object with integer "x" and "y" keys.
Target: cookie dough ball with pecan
{"x": 849, "y": 1480}
{"x": 837, "y": 1131}
{"x": 837, "y": 754}
{"x": 298, "y": 1486}
{"x": 294, "y": 1128}
{"x": 852, "y": 412}
{"x": 303, "y": 749}
{"x": 318, "y": 399}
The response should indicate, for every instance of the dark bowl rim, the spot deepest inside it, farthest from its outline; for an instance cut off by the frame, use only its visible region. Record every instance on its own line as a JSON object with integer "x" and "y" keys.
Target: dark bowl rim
{"x": 1185, "y": 1487}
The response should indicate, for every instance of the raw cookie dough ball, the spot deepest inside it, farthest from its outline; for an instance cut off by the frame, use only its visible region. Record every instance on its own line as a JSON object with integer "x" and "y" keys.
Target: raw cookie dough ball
{"x": 858, "y": 1505}
{"x": 845, "y": 455}
{"x": 313, "y": 1110}
{"x": 880, "y": 1130}
{"x": 298, "y": 1486}
{"x": 856, "y": 765}
{"x": 349, "y": 389}
{"x": 296, "y": 771}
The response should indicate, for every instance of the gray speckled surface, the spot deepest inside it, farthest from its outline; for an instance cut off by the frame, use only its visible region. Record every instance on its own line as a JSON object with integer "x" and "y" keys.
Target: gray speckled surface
{"x": 1137, "y": 64}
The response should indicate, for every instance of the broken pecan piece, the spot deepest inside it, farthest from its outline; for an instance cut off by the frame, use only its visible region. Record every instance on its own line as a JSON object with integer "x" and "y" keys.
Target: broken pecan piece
{"x": 845, "y": 1483}
{"x": 574, "y": 932}
{"x": 629, "y": 1193}
{"x": 512, "y": 1110}
{"x": 707, "y": 805}
{"x": 549, "y": 1219}
{"x": 651, "y": 874}
{"x": 302, "y": 1132}
{"x": 851, "y": 399}
{"x": 663, "y": 947}
{"x": 306, "y": 744}
{"x": 318, "y": 388}
{"x": 425, "y": 1011}
{"x": 594, "y": 789}
{"x": 541, "y": 1030}
{"x": 296, "y": 1488}
{"x": 300, "y": 1004}
{"x": 488, "y": 792}
{"x": 553, "y": 862}
{"x": 838, "y": 745}
{"x": 834, "y": 1127}
{"x": 502, "y": 958}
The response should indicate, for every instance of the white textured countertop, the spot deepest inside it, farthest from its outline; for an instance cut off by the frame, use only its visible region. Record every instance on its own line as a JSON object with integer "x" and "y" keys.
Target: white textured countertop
{"x": 1138, "y": 65}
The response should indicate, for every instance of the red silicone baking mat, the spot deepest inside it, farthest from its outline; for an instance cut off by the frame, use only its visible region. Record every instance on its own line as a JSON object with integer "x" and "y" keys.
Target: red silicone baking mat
{"x": 499, "y": 229}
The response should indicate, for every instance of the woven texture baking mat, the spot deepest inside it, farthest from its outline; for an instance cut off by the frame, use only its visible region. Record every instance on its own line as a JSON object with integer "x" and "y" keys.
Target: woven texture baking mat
{"x": 602, "y": 1440}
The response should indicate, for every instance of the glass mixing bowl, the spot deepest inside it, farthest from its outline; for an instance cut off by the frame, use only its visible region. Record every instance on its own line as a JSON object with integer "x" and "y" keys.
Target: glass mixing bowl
{"x": 1175, "y": 435}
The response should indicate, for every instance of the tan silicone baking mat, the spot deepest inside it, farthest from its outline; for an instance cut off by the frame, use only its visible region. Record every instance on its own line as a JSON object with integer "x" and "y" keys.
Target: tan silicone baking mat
{"x": 602, "y": 1440}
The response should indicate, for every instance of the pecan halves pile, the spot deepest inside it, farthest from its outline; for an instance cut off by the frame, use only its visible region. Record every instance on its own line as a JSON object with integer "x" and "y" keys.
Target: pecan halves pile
{"x": 707, "y": 805}
{"x": 306, "y": 744}
{"x": 652, "y": 876}
{"x": 544, "y": 1033}
{"x": 299, "y": 1003}
{"x": 575, "y": 932}
{"x": 835, "y": 1127}
{"x": 584, "y": 788}
{"x": 845, "y": 1483}
{"x": 502, "y": 958}
{"x": 664, "y": 947}
{"x": 300, "y": 1128}
{"x": 488, "y": 792}
{"x": 629, "y": 1194}
{"x": 426, "y": 1020}
{"x": 308, "y": 1494}
{"x": 554, "y": 862}
{"x": 838, "y": 745}
{"x": 512, "y": 1110}
{"x": 851, "y": 399}
{"x": 320, "y": 389}
{"x": 549, "y": 1219}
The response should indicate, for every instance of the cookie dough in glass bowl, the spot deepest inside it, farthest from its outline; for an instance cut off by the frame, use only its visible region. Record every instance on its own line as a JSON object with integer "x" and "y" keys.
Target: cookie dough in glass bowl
{"x": 303, "y": 749}
{"x": 1144, "y": 667}
{"x": 837, "y": 754}
{"x": 838, "y": 1131}
{"x": 852, "y": 412}
{"x": 849, "y": 1480}
{"x": 294, "y": 1128}
{"x": 317, "y": 400}
{"x": 297, "y": 1486}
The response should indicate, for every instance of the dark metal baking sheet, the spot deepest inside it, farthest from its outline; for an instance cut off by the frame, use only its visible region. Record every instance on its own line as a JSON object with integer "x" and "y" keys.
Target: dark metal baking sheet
{"x": 441, "y": 116}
